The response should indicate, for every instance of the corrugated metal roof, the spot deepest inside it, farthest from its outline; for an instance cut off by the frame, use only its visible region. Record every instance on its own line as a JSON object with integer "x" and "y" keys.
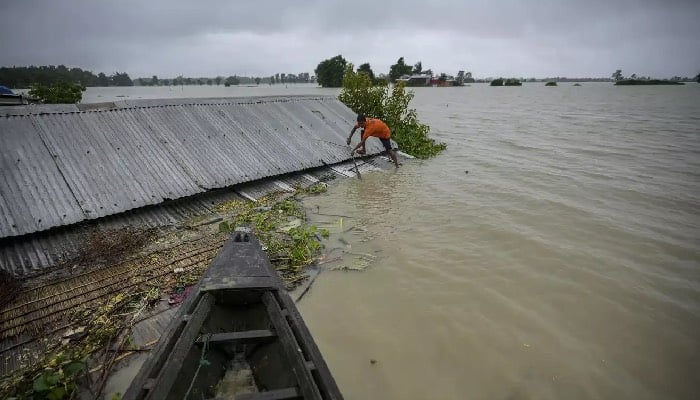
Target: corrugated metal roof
{"x": 31, "y": 254}
{"x": 77, "y": 165}
{"x": 33, "y": 192}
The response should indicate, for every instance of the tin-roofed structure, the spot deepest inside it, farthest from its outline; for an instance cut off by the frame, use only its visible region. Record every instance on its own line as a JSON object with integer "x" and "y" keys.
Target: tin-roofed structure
{"x": 65, "y": 164}
{"x": 61, "y": 165}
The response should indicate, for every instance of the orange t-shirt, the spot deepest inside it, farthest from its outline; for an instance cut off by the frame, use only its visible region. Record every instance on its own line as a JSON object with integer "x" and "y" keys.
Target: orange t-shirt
{"x": 377, "y": 128}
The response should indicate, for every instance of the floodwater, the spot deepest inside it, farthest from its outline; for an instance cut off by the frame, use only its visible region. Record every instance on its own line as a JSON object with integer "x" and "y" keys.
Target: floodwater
{"x": 551, "y": 252}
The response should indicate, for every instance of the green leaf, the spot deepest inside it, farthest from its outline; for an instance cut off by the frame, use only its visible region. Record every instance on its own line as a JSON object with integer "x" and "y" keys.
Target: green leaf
{"x": 57, "y": 393}
{"x": 52, "y": 379}
{"x": 73, "y": 368}
{"x": 224, "y": 227}
{"x": 40, "y": 384}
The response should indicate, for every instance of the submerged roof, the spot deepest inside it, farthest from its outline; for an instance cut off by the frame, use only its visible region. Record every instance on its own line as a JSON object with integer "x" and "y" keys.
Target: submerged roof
{"x": 64, "y": 164}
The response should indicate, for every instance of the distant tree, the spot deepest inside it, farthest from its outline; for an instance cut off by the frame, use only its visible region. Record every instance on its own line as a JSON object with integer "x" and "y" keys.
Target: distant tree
{"x": 617, "y": 75}
{"x": 218, "y": 80}
{"x": 164, "y": 82}
{"x": 24, "y": 77}
{"x": 417, "y": 68}
{"x": 272, "y": 80}
{"x": 399, "y": 69}
{"x": 102, "y": 79}
{"x": 633, "y": 76}
{"x": 154, "y": 80}
{"x": 277, "y": 78}
{"x": 512, "y": 82}
{"x": 468, "y": 78}
{"x": 697, "y": 78}
{"x": 210, "y": 82}
{"x": 257, "y": 80}
{"x": 365, "y": 68}
{"x": 121, "y": 79}
{"x": 189, "y": 81}
{"x": 329, "y": 73}
{"x": 428, "y": 72}
{"x": 58, "y": 93}
{"x": 232, "y": 80}
{"x": 460, "y": 78}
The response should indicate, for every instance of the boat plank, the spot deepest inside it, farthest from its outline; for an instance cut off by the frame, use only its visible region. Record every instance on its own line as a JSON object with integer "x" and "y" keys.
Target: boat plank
{"x": 291, "y": 347}
{"x": 182, "y": 347}
{"x": 245, "y": 336}
{"x": 279, "y": 394}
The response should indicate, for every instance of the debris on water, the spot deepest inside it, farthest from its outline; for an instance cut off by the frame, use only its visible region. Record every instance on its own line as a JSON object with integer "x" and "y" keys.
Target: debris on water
{"x": 179, "y": 295}
{"x": 466, "y": 172}
{"x": 294, "y": 223}
{"x": 372, "y": 361}
{"x": 73, "y": 334}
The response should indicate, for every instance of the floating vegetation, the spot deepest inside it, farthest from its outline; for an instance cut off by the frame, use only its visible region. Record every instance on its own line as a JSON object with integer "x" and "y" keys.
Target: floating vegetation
{"x": 552, "y": 84}
{"x": 279, "y": 224}
{"x": 316, "y": 188}
{"x": 360, "y": 262}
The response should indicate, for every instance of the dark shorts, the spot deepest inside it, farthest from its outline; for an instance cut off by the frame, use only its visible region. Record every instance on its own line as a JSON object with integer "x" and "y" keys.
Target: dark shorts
{"x": 386, "y": 143}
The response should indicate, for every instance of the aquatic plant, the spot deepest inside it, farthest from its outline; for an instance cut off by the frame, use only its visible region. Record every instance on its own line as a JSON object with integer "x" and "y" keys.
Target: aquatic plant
{"x": 279, "y": 224}
{"x": 391, "y": 106}
{"x": 550, "y": 84}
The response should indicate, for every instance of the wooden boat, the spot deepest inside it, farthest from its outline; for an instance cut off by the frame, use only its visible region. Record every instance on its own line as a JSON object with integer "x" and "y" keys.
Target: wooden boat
{"x": 240, "y": 336}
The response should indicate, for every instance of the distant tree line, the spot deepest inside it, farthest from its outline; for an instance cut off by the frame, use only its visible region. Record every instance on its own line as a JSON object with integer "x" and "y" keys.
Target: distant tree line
{"x": 617, "y": 76}
{"x": 233, "y": 80}
{"x": 48, "y": 75}
{"x": 330, "y": 72}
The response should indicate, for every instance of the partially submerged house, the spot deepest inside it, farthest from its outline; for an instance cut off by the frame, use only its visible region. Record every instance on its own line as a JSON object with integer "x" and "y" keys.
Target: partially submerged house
{"x": 69, "y": 171}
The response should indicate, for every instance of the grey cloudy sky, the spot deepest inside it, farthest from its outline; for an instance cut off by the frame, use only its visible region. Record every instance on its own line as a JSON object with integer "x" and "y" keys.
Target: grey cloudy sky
{"x": 573, "y": 38}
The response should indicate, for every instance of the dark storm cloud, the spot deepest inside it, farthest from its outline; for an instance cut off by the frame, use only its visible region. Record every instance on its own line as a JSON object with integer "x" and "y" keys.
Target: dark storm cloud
{"x": 573, "y": 38}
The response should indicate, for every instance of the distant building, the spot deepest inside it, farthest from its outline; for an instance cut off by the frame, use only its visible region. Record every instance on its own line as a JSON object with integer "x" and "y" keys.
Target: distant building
{"x": 416, "y": 79}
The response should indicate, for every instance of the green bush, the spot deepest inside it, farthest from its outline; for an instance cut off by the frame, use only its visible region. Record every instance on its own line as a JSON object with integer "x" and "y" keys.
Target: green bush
{"x": 391, "y": 106}
{"x": 58, "y": 93}
{"x": 497, "y": 82}
{"x": 512, "y": 82}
